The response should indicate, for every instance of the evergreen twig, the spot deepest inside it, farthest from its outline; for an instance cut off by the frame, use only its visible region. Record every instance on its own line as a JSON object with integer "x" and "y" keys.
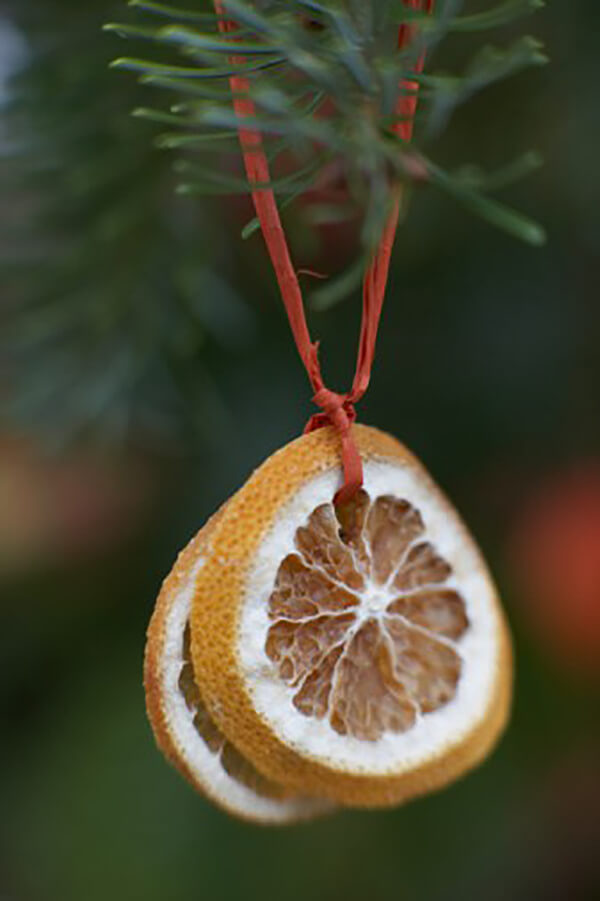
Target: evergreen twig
{"x": 347, "y": 56}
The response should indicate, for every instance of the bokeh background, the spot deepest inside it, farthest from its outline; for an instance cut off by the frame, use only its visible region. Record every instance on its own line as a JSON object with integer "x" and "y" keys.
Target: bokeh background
{"x": 147, "y": 368}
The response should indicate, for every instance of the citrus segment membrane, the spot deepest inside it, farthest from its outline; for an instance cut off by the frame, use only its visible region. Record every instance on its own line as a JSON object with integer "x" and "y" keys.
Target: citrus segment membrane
{"x": 182, "y": 725}
{"x": 363, "y": 626}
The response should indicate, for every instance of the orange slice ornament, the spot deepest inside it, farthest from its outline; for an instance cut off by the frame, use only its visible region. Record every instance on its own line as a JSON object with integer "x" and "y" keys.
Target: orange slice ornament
{"x": 356, "y": 653}
{"x": 332, "y": 636}
{"x": 184, "y": 730}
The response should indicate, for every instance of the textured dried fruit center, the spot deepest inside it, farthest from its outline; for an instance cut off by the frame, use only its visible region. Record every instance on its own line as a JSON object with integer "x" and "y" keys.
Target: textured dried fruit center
{"x": 234, "y": 764}
{"x": 365, "y": 625}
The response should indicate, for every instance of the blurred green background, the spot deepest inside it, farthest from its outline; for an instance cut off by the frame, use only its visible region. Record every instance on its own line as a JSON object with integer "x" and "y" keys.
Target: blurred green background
{"x": 147, "y": 368}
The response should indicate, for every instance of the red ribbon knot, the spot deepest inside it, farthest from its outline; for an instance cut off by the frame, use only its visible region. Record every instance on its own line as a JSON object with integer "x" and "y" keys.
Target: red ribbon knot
{"x": 337, "y": 410}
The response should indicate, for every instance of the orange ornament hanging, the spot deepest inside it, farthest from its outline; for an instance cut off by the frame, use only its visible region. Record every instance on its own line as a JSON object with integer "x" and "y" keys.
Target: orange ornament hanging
{"x": 332, "y": 635}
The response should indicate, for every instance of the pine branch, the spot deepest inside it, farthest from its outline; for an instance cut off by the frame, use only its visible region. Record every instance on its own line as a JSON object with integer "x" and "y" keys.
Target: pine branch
{"x": 108, "y": 291}
{"x": 349, "y": 60}
{"x": 107, "y": 325}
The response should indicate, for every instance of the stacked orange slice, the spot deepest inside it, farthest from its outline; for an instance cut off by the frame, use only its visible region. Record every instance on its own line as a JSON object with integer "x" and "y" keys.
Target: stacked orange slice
{"x": 303, "y": 655}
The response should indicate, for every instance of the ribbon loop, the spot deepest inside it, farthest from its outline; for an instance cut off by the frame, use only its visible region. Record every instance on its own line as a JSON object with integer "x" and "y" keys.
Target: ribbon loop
{"x": 337, "y": 410}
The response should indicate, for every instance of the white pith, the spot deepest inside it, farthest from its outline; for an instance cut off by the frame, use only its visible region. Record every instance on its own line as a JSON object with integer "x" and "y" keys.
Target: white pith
{"x": 433, "y": 733}
{"x": 195, "y": 753}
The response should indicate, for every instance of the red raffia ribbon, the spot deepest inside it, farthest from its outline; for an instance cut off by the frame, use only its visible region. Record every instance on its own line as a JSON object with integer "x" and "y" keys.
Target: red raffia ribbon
{"x": 336, "y": 409}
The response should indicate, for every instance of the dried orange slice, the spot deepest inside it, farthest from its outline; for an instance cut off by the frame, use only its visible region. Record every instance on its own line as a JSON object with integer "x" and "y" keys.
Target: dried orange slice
{"x": 183, "y": 728}
{"x": 358, "y": 654}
